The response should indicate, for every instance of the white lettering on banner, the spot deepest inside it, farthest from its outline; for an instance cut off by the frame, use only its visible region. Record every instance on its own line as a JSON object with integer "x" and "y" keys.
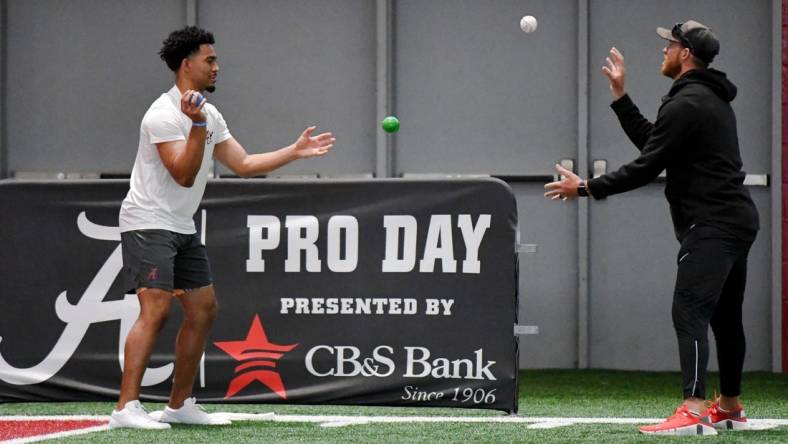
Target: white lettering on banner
{"x": 296, "y": 243}
{"x": 400, "y": 254}
{"x": 439, "y": 245}
{"x": 462, "y": 395}
{"x": 433, "y": 306}
{"x": 258, "y": 243}
{"x": 346, "y": 306}
{"x": 393, "y": 225}
{"x": 336, "y": 226}
{"x": 378, "y": 365}
{"x": 91, "y": 308}
{"x": 473, "y": 239}
{"x": 442, "y": 368}
{"x": 346, "y": 361}
{"x": 413, "y": 393}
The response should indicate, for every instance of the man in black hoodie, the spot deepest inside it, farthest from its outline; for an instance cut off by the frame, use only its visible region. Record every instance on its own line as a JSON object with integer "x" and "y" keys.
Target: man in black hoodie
{"x": 694, "y": 140}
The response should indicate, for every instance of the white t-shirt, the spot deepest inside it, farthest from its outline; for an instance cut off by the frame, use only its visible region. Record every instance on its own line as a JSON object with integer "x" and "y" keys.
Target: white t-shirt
{"x": 155, "y": 200}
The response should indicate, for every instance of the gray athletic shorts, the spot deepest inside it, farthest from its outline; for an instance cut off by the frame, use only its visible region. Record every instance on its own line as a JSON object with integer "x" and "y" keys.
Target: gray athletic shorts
{"x": 164, "y": 259}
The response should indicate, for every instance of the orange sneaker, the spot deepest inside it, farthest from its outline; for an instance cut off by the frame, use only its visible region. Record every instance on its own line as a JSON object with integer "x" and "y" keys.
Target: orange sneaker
{"x": 683, "y": 422}
{"x": 727, "y": 420}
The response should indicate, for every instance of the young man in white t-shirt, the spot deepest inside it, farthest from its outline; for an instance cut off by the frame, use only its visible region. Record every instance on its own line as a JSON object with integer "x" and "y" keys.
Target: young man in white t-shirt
{"x": 163, "y": 257}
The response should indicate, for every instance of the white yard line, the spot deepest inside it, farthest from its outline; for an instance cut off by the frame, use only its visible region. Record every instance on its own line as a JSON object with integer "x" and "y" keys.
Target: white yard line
{"x": 536, "y": 422}
{"x": 533, "y": 422}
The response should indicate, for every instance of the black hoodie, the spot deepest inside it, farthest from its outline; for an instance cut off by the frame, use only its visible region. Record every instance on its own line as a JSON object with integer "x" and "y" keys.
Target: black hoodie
{"x": 694, "y": 140}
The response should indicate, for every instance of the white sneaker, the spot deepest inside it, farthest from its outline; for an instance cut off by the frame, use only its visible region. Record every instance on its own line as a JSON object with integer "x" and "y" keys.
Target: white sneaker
{"x": 191, "y": 413}
{"x": 134, "y": 416}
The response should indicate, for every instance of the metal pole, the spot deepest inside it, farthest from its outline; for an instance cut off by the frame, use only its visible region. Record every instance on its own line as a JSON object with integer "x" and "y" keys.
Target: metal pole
{"x": 583, "y": 329}
{"x": 776, "y": 187}
{"x": 385, "y": 40}
{"x": 3, "y": 89}
{"x": 191, "y": 12}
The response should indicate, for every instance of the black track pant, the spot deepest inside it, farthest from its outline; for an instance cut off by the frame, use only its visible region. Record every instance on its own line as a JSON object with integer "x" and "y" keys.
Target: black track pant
{"x": 712, "y": 272}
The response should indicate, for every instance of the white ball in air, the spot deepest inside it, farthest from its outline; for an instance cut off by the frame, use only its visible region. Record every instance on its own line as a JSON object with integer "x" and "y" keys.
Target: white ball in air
{"x": 528, "y": 24}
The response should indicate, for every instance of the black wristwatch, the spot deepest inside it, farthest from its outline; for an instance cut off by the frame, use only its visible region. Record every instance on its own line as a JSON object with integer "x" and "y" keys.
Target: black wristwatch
{"x": 582, "y": 190}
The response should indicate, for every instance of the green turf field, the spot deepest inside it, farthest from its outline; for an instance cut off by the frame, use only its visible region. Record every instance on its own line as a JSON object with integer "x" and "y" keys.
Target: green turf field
{"x": 548, "y": 393}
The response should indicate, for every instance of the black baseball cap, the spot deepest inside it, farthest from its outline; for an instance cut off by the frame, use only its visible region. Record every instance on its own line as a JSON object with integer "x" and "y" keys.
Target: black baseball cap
{"x": 693, "y": 35}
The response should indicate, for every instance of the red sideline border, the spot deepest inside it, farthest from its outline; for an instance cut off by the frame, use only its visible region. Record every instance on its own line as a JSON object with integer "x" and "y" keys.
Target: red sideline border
{"x": 784, "y": 185}
{"x": 24, "y": 429}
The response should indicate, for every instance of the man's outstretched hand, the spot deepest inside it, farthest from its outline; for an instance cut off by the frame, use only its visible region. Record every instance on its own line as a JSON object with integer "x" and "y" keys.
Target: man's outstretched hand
{"x": 564, "y": 189}
{"x": 615, "y": 73}
{"x": 308, "y": 146}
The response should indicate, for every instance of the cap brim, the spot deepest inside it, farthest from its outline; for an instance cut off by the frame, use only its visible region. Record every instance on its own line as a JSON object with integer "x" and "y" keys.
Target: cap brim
{"x": 666, "y": 34}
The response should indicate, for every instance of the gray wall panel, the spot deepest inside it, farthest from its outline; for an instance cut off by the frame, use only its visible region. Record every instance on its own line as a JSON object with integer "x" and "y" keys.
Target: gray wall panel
{"x": 287, "y": 64}
{"x": 632, "y": 270}
{"x": 632, "y": 244}
{"x": 82, "y": 74}
{"x": 548, "y": 279}
{"x": 475, "y": 94}
{"x": 757, "y": 299}
{"x": 741, "y": 26}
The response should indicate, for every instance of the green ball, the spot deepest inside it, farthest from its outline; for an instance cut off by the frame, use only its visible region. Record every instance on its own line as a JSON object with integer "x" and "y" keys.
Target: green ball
{"x": 390, "y": 124}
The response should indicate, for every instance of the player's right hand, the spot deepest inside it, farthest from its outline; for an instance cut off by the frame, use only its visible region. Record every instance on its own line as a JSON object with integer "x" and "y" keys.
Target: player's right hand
{"x": 564, "y": 188}
{"x": 307, "y": 146}
{"x": 192, "y": 103}
{"x": 615, "y": 73}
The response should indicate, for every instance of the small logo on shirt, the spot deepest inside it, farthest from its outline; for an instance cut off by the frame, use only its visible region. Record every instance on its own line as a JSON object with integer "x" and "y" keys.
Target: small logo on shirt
{"x": 209, "y": 137}
{"x": 153, "y": 274}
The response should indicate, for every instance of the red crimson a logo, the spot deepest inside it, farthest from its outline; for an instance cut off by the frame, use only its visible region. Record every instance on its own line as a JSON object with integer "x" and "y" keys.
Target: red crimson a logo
{"x": 257, "y": 355}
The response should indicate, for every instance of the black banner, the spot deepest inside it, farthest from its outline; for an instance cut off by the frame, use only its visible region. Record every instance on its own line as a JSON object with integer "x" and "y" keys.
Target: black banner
{"x": 383, "y": 292}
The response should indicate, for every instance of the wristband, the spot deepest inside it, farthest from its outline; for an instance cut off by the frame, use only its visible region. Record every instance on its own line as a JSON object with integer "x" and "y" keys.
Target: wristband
{"x": 200, "y": 123}
{"x": 582, "y": 191}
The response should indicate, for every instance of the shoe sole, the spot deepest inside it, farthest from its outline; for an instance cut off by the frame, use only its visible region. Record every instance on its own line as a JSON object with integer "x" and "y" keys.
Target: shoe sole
{"x": 691, "y": 430}
{"x": 113, "y": 424}
{"x": 167, "y": 420}
{"x": 730, "y": 424}
{"x": 197, "y": 423}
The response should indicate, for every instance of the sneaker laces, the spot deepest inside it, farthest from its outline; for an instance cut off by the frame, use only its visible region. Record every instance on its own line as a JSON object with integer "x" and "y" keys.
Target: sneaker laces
{"x": 138, "y": 406}
{"x": 192, "y": 402}
{"x": 684, "y": 410}
{"x": 681, "y": 410}
{"x": 711, "y": 406}
{"x": 717, "y": 408}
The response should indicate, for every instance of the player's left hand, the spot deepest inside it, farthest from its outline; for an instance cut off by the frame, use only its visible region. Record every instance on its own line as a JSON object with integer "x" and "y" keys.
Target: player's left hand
{"x": 310, "y": 146}
{"x": 564, "y": 189}
{"x": 615, "y": 73}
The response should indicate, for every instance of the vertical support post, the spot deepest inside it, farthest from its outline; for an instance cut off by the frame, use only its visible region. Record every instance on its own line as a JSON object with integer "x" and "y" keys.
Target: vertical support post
{"x": 3, "y": 89}
{"x": 384, "y": 84}
{"x": 778, "y": 346}
{"x": 583, "y": 329}
{"x": 192, "y": 19}
{"x": 191, "y": 12}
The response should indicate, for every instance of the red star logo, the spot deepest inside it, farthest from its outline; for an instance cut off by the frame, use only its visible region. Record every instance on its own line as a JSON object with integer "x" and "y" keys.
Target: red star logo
{"x": 258, "y": 352}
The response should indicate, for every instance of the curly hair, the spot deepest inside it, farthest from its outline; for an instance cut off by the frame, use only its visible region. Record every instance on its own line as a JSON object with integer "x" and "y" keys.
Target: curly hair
{"x": 183, "y": 43}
